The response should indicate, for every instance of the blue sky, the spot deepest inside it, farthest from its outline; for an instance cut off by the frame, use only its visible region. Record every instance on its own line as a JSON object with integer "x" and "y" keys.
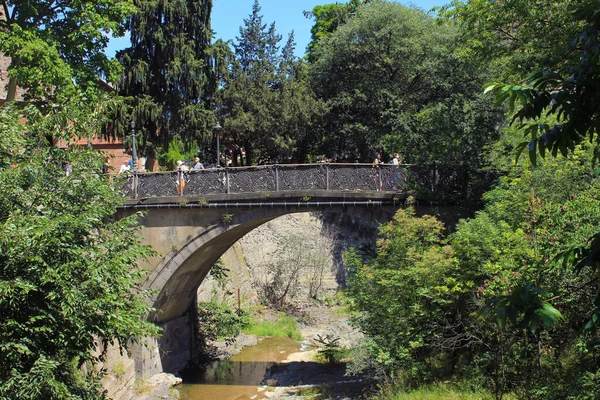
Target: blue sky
{"x": 228, "y": 16}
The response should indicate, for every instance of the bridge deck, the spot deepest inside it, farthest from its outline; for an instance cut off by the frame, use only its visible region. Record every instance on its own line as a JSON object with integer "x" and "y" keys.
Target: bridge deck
{"x": 323, "y": 181}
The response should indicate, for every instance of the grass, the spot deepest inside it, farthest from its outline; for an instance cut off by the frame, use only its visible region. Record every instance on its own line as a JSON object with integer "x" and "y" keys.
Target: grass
{"x": 283, "y": 326}
{"x": 313, "y": 392}
{"x": 434, "y": 392}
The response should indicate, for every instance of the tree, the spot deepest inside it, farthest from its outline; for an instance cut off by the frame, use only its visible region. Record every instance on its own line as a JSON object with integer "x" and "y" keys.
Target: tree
{"x": 296, "y": 269}
{"x": 403, "y": 293}
{"x": 515, "y": 37}
{"x": 167, "y": 72}
{"x": 68, "y": 270}
{"x": 56, "y": 44}
{"x": 328, "y": 17}
{"x": 558, "y": 103}
{"x": 266, "y": 101}
{"x": 400, "y": 87}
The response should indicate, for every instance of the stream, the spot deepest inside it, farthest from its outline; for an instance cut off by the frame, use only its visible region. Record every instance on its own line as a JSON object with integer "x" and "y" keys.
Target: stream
{"x": 239, "y": 377}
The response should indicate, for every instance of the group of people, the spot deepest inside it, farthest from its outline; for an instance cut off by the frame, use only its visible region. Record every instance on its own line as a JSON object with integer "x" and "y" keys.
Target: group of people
{"x": 396, "y": 160}
{"x": 128, "y": 165}
{"x": 141, "y": 162}
{"x": 183, "y": 165}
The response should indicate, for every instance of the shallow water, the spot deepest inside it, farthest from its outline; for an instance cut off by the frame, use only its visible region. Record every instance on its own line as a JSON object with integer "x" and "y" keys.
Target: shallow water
{"x": 238, "y": 377}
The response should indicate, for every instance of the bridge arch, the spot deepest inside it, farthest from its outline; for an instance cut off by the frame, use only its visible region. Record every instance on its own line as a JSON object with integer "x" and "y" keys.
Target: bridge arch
{"x": 190, "y": 239}
{"x": 176, "y": 277}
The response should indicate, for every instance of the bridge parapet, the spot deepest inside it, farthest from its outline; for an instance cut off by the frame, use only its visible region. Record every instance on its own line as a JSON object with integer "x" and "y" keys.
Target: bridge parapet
{"x": 444, "y": 182}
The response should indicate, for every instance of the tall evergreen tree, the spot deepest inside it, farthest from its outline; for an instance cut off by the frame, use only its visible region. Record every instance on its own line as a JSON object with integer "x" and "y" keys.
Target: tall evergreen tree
{"x": 168, "y": 71}
{"x": 266, "y": 104}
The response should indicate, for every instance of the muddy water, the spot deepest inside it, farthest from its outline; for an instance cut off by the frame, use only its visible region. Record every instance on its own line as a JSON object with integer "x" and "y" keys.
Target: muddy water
{"x": 238, "y": 377}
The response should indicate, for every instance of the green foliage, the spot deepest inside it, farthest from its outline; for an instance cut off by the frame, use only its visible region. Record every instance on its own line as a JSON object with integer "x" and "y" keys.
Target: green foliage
{"x": 219, "y": 273}
{"x": 216, "y": 320}
{"x": 55, "y": 46}
{"x": 400, "y": 87}
{"x": 514, "y": 37}
{"x": 434, "y": 392}
{"x": 402, "y": 294}
{"x": 177, "y": 150}
{"x": 266, "y": 100}
{"x": 119, "y": 368}
{"x": 455, "y": 310}
{"x": 227, "y": 218}
{"x": 328, "y": 17}
{"x": 283, "y": 326}
{"x": 526, "y": 301}
{"x": 330, "y": 349}
{"x": 168, "y": 75}
{"x": 565, "y": 88}
{"x": 69, "y": 279}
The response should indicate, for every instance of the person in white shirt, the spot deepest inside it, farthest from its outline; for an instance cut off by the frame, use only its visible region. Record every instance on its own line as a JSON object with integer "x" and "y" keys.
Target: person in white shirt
{"x": 183, "y": 166}
{"x": 125, "y": 167}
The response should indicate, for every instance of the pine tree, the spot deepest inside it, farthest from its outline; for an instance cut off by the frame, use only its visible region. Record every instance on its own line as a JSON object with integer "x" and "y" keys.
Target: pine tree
{"x": 168, "y": 71}
{"x": 266, "y": 106}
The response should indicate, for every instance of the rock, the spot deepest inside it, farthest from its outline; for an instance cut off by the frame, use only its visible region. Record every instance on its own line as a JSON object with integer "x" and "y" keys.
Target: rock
{"x": 163, "y": 379}
{"x": 158, "y": 387}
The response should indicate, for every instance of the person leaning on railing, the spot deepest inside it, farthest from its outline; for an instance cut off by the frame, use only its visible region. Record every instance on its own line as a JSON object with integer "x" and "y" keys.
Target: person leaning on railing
{"x": 197, "y": 163}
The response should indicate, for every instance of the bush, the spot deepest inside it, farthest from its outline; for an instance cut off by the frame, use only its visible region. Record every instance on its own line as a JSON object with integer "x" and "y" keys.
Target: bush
{"x": 217, "y": 321}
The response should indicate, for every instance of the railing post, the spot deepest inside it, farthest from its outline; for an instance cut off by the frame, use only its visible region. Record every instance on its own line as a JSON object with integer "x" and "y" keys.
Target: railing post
{"x": 180, "y": 183}
{"x": 227, "y": 179}
{"x": 135, "y": 185}
{"x": 380, "y": 187}
{"x": 327, "y": 175}
{"x": 277, "y": 177}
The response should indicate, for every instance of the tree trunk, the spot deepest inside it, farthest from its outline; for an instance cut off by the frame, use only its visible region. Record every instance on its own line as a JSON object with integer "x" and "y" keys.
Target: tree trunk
{"x": 11, "y": 93}
{"x": 249, "y": 151}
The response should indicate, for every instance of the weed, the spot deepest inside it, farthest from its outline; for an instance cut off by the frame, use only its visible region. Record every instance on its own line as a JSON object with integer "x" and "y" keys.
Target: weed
{"x": 141, "y": 388}
{"x": 312, "y": 392}
{"x": 119, "y": 368}
{"x": 227, "y": 218}
{"x": 306, "y": 199}
{"x": 174, "y": 393}
{"x": 331, "y": 348}
{"x": 202, "y": 201}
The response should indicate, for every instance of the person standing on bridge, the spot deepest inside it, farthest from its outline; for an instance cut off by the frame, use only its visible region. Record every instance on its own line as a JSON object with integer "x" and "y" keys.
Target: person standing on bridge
{"x": 181, "y": 169}
{"x": 377, "y": 159}
{"x": 198, "y": 164}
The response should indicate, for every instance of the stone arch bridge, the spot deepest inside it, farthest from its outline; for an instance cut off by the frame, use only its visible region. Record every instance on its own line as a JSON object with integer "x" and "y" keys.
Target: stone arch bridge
{"x": 192, "y": 218}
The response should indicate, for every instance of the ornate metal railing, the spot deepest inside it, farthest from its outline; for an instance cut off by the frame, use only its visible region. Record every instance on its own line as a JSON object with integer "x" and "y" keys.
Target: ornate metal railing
{"x": 431, "y": 180}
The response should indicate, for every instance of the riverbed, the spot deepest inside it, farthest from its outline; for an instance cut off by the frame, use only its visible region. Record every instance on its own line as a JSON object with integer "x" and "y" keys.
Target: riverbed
{"x": 276, "y": 367}
{"x": 240, "y": 377}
